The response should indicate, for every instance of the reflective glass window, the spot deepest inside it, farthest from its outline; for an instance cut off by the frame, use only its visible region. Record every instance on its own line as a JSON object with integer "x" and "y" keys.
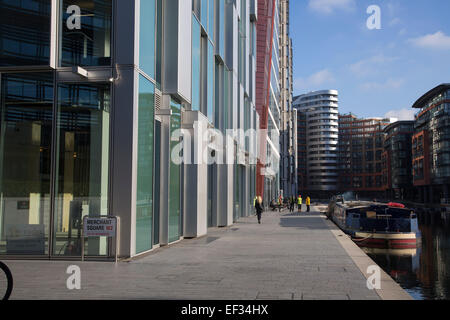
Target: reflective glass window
{"x": 204, "y": 13}
{"x": 144, "y": 200}
{"x": 82, "y": 165}
{"x": 25, "y": 162}
{"x": 175, "y": 176}
{"x": 211, "y": 19}
{"x": 147, "y": 37}
{"x": 85, "y": 33}
{"x": 25, "y": 32}
{"x": 210, "y": 83}
{"x": 196, "y": 63}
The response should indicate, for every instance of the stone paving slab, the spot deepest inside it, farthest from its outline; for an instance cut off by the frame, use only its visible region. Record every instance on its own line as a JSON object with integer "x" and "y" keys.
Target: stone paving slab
{"x": 287, "y": 257}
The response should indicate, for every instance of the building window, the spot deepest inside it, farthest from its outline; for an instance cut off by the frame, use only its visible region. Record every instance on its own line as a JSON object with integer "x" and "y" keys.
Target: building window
{"x": 196, "y": 64}
{"x": 82, "y": 165}
{"x": 174, "y": 176}
{"x": 144, "y": 191}
{"x": 147, "y": 37}
{"x": 25, "y": 32}
{"x": 85, "y": 30}
{"x": 25, "y": 162}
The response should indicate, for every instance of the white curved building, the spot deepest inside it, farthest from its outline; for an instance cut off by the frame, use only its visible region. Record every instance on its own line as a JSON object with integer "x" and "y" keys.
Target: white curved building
{"x": 322, "y": 129}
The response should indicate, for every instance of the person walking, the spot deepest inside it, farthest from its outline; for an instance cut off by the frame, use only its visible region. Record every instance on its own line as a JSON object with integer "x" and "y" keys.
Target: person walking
{"x": 308, "y": 204}
{"x": 299, "y": 203}
{"x": 259, "y": 209}
{"x": 291, "y": 204}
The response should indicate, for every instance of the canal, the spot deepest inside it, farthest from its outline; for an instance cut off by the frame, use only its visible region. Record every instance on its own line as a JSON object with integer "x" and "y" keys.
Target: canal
{"x": 423, "y": 272}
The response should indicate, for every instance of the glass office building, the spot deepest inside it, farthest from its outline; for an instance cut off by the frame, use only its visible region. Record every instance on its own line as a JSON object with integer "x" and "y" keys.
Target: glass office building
{"x": 94, "y": 95}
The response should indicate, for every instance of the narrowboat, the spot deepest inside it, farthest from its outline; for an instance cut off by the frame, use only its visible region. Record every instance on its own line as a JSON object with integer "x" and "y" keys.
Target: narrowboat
{"x": 376, "y": 225}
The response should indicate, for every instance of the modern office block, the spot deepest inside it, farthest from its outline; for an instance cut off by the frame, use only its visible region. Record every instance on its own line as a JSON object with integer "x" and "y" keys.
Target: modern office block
{"x": 288, "y": 123}
{"x": 268, "y": 96}
{"x": 97, "y": 107}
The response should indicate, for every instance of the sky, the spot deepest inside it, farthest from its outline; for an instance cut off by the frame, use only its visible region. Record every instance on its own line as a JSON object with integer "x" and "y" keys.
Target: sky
{"x": 378, "y": 72}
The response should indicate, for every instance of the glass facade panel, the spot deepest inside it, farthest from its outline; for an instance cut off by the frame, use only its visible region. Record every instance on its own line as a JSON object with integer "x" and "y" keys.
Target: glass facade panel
{"x": 221, "y": 27}
{"x": 85, "y": 33}
{"x": 144, "y": 200}
{"x": 211, "y": 19}
{"x": 147, "y": 37}
{"x": 196, "y": 63}
{"x": 204, "y": 13}
{"x": 25, "y": 32}
{"x": 25, "y": 162}
{"x": 210, "y": 83}
{"x": 82, "y": 165}
{"x": 175, "y": 177}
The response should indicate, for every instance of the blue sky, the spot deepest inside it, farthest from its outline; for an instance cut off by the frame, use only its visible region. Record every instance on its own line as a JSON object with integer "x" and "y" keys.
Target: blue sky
{"x": 377, "y": 72}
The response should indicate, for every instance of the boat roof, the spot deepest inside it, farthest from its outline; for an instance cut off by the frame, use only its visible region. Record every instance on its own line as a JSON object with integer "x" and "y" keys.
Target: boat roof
{"x": 363, "y": 204}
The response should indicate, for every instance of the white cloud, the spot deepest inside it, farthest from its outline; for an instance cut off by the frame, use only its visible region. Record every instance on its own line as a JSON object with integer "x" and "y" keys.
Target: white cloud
{"x": 402, "y": 114}
{"x": 439, "y": 40}
{"x": 388, "y": 84}
{"x": 329, "y": 6}
{"x": 314, "y": 81}
{"x": 371, "y": 65}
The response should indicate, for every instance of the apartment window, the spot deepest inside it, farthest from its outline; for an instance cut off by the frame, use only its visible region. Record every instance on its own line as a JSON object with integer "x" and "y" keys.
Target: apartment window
{"x": 25, "y": 32}
{"x": 85, "y": 33}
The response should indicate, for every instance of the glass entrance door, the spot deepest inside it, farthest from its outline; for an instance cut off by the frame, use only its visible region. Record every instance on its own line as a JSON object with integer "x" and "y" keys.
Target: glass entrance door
{"x": 82, "y": 165}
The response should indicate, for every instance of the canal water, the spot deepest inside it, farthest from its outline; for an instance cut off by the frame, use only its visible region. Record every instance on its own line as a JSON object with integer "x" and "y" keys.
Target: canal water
{"x": 423, "y": 272}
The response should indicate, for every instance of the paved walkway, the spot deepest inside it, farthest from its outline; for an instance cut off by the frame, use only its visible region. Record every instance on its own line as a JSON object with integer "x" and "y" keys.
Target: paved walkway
{"x": 287, "y": 257}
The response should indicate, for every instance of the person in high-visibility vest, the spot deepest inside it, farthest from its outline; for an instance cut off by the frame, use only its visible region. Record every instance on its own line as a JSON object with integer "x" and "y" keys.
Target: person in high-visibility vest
{"x": 299, "y": 203}
{"x": 254, "y": 202}
{"x": 308, "y": 204}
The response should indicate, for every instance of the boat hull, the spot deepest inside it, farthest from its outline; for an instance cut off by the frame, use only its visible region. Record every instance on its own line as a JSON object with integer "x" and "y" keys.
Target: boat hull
{"x": 388, "y": 240}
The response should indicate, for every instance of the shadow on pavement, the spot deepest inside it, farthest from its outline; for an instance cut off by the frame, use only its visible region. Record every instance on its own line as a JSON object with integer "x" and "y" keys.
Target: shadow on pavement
{"x": 311, "y": 222}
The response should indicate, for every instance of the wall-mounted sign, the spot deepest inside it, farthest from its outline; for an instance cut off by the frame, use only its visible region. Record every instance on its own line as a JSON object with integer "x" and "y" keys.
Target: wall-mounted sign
{"x": 99, "y": 227}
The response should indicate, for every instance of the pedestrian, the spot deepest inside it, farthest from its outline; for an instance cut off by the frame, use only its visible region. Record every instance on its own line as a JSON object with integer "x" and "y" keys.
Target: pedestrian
{"x": 308, "y": 204}
{"x": 280, "y": 203}
{"x": 292, "y": 204}
{"x": 299, "y": 203}
{"x": 259, "y": 209}
{"x": 254, "y": 202}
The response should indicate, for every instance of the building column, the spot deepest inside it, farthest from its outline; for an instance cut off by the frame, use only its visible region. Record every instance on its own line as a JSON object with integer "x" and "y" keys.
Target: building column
{"x": 196, "y": 176}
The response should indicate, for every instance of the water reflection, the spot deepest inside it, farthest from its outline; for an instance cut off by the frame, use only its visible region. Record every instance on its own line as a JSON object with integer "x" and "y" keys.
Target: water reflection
{"x": 423, "y": 272}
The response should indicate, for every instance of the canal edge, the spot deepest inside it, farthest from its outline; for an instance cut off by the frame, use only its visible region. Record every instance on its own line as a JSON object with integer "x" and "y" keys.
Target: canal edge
{"x": 390, "y": 290}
